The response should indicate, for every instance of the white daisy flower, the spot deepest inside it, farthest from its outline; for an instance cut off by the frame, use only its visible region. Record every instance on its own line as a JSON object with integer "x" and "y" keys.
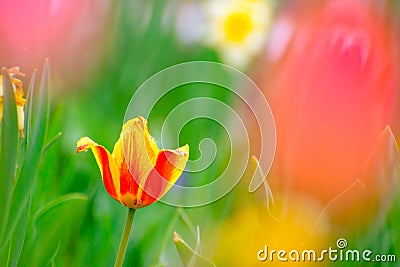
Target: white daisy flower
{"x": 238, "y": 28}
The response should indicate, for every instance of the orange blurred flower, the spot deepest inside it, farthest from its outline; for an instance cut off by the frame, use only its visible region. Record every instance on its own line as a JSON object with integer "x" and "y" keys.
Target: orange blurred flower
{"x": 146, "y": 174}
{"x": 333, "y": 87}
{"x": 19, "y": 97}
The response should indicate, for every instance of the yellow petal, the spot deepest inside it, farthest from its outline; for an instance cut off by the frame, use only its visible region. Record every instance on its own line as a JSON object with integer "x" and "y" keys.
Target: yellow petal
{"x": 19, "y": 99}
{"x": 1, "y": 108}
{"x": 21, "y": 120}
{"x": 1, "y": 86}
{"x": 139, "y": 147}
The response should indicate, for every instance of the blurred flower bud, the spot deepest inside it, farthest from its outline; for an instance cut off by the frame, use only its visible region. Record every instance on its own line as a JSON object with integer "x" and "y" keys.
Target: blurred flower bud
{"x": 332, "y": 82}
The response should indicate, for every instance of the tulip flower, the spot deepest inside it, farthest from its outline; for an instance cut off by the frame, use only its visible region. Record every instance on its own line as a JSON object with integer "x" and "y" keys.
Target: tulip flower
{"x": 137, "y": 172}
{"x": 146, "y": 175}
{"x": 19, "y": 97}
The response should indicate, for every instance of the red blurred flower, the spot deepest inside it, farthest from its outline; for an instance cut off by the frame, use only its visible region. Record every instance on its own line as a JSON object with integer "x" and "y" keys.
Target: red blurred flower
{"x": 333, "y": 87}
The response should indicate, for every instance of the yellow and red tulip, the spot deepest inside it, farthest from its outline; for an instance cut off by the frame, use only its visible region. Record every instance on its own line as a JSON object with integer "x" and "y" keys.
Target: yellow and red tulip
{"x": 19, "y": 97}
{"x": 137, "y": 173}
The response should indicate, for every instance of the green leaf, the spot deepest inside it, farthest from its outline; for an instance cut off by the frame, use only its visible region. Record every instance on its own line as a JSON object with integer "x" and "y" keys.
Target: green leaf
{"x": 189, "y": 257}
{"x": 4, "y": 254}
{"x": 29, "y": 107}
{"x": 9, "y": 147}
{"x": 51, "y": 142}
{"x": 17, "y": 240}
{"x": 27, "y": 176}
{"x": 53, "y": 224}
{"x": 28, "y": 122}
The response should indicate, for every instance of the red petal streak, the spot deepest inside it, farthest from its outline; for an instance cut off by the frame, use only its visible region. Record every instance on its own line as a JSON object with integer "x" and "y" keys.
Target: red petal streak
{"x": 158, "y": 178}
{"x": 127, "y": 183}
{"x": 107, "y": 177}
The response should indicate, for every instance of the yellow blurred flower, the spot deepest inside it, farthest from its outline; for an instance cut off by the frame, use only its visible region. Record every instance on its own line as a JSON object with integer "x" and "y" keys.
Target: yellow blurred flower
{"x": 244, "y": 237}
{"x": 238, "y": 28}
{"x": 19, "y": 97}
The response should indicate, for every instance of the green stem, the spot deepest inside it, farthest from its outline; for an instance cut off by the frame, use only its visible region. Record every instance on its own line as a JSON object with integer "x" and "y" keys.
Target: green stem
{"x": 125, "y": 238}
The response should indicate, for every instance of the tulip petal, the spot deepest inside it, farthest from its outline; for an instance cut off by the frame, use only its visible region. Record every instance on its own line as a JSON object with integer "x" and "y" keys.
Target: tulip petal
{"x": 169, "y": 167}
{"x": 128, "y": 188}
{"x": 110, "y": 172}
{"x": 139, "y": 149}
{"x": 171, "y": 163}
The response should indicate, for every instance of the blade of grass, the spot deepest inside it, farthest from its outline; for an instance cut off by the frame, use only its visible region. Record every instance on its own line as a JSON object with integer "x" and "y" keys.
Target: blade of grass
{"x": 167, "y": 236}
{"x": 188, "y": 256}
{"x": 51, "y": 142}
{"x": 28, "y": 121}
{"x": 186, "y": 220}
{"x": 17, "y": 241}
{"x": 53, "y": 223}
{"x": 29, "y": 107}
{"x": 194, "y": 229}
{"x": 198, "y": 248}
{"x": 5, "y": 254}
{"x": 26, "y": 178}
{"x": 265, "y": 190}
{"x": 9, "y": 146}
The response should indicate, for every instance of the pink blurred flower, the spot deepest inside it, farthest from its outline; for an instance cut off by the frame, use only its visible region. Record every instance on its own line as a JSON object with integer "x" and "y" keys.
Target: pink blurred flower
{"x": 332, "y": 83}
{"x": 65, "y": 31}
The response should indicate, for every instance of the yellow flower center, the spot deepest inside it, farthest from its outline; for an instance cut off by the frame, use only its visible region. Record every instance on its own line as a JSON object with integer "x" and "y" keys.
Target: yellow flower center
{"x": 237, "y": 26}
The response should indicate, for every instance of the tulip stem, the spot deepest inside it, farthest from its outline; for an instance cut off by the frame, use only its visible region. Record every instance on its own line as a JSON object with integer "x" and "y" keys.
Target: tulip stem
{"x": 125, "y": 238}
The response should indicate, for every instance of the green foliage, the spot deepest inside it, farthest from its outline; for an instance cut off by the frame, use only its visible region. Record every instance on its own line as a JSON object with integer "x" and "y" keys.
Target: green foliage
{"x": 30, "y": 164}
{"x": 18, "y": 238}
{"x": 19, "y": 164}
{"x": 8, "y": 152}
{"x": 53, "y": 226}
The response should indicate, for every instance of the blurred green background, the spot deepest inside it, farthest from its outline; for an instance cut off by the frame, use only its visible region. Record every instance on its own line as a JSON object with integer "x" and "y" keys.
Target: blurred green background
{"x": 72, "y": 219}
